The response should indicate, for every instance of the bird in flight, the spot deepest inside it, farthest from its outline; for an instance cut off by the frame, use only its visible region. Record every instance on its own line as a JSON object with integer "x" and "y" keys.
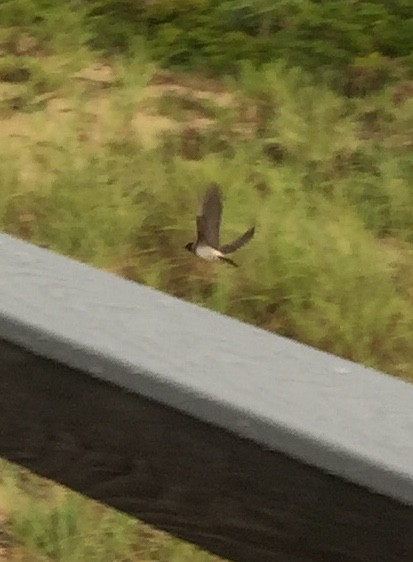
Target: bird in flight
{"x": 208, "y": 221}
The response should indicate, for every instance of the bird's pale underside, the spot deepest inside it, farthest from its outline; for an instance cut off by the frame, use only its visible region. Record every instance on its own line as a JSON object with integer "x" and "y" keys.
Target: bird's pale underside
{"x": 208, "y": 221}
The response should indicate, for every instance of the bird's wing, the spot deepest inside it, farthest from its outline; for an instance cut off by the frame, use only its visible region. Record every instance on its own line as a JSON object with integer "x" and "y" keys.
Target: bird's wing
{"x": 200, "y": 229}
{"x": 208, "y": 219}
{"x": 228, "y": 248}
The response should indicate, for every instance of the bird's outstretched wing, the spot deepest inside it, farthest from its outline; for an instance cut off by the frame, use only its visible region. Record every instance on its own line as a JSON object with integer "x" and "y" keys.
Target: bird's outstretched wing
{"x": 228, "y": 248}
{"x": 208, "y": 218}
{"x": 200, "y": 229}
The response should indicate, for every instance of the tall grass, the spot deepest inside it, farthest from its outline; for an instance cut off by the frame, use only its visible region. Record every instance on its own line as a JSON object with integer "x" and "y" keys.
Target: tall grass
{"x": 46, "y": 522}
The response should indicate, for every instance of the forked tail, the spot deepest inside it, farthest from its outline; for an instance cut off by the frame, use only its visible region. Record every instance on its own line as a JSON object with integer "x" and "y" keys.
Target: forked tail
{"x": 236, "y": 244}
{"x": 228, "y": 260}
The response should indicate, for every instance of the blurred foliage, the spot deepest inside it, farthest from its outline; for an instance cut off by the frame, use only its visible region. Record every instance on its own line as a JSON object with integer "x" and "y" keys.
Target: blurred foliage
{"x": 217, "y": 34}
{"x": 358, "y": 37}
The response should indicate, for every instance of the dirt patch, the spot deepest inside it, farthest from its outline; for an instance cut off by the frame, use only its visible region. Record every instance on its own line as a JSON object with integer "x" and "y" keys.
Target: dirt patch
{"x": 99, "y": 73}
{"x": 191, "y": 82}
{"x": 221, "y": 99}
{"x": 56, "y": 117}
{"x": 150, "y": 128}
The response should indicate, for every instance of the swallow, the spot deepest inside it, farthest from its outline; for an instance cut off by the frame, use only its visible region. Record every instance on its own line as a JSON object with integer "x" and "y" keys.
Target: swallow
{"x": 208, "y": 222}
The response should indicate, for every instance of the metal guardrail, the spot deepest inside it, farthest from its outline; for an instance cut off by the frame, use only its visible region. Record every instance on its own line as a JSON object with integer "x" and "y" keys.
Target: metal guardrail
{"x": 246, "y": 443}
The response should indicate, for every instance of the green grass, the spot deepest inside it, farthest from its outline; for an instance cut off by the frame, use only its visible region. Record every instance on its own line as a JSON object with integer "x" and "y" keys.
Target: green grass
{"x": 109, "y": 171}
{"x": 47, "y": 522}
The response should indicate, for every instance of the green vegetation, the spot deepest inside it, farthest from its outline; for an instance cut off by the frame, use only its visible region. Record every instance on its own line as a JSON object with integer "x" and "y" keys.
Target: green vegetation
{"x": 42, "y": 522}
{"x": 302, "y": 111}
{"x": 215, "y": 34}
{"x": 357, "y": 41}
